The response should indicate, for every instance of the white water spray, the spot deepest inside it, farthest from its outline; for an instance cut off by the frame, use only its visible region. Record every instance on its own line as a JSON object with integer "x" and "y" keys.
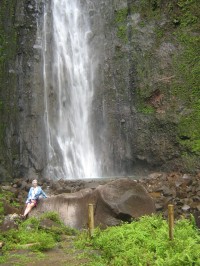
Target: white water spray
{"x": 69, "y": 90}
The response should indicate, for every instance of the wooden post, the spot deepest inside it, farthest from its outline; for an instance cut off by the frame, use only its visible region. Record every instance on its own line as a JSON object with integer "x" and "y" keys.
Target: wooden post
{"x": 171, "y": 220}
{"x": 91, "y": 219}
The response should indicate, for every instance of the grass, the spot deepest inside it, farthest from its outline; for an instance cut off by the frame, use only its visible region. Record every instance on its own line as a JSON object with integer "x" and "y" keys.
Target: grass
{"x": 141, "y": 242}
{"x": 7, "y": 197}
{"x": 145, "y": 242}
{"x": 33, "y": 236}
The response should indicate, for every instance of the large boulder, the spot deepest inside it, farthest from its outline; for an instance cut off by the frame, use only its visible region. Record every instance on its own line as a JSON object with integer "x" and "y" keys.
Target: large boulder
{"x": 117, "y": 201}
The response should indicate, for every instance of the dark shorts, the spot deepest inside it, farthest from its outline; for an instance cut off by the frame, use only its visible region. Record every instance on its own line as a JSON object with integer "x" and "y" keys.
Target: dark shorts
{"x": 33, "y": 201}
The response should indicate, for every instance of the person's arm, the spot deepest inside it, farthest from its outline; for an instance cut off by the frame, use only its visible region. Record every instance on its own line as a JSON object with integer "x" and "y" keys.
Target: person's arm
{"x": 39, "y": 193}
{"x": 43, "y": 194}
{"x": 29, "y": 196}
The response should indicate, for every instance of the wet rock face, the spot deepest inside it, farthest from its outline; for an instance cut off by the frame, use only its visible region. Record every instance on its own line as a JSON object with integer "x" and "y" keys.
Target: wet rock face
{"x": 31, "y": 94}
{"x": 22, "y": 125}
{"x": 129, "y": 140}
{"x": 141, "y": 110}
{"x": 117, "y": 201}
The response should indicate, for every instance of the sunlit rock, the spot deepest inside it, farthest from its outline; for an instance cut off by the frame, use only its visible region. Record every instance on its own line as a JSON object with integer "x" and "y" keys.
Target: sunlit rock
{"x": 119, "y": 200}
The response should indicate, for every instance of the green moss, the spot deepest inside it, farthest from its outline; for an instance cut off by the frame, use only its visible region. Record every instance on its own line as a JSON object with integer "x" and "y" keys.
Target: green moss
{"x": 145, "y": 109}
{"x": 187, "y": 69}
{"x": 121, "y": 15}
{"x": 149, "y": 9}
{"x": 182, "y": 27}
{"x": 190, "y": 161}
{"x": 1, "y": 209}
{"x": 159, "y": 33}
{"x": 121, "y": 23}
{"x": 189, "y": 130}
{"x": 8, "y": 198}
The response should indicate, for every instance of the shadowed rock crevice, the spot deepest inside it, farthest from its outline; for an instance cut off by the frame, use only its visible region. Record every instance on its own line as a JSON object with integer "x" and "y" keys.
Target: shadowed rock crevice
{"x": 124, "y": 217}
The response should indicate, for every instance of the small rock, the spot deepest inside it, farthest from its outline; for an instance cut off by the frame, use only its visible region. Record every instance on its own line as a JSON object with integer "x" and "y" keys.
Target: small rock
{"x": 122, "y": 121}
{"x": 7, "y": 188}
{"x": 181, "y": 194}
{"x": 187, "y": 179}
{"x": 25, "y": 186}
{"x": 185, "y": 176}
{"x": 198, "y": 189}
{"x": 8, "y": 224}
{"x": 155, "y": 175}
{"x": 13, "y": 217}
{"x": 185, "y": 207}
{"x": 166, "y": 191}
{"x": 30, "y": 6}
{"x": 47, "y": 224}
{"x": 168, "y": 200}
{"x": 198, "y": 207}
{"x": 158, "y": 207}
{"x": 188, "y": 189}
{"x": 155, "y": 194}
{"x": 178, "y": 183}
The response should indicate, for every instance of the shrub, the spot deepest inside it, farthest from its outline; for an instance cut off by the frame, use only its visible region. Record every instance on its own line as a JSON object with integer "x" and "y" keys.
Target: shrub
{"x": 31, "y": 236}
{"x": 146, "y": 242}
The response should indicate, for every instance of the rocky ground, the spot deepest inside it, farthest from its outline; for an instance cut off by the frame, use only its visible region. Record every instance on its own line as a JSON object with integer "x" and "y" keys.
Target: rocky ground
{"x": 181, "y": 190}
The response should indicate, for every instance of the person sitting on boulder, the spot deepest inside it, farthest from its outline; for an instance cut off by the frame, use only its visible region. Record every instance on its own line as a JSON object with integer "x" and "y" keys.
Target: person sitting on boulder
{"x": 34, "y": 194}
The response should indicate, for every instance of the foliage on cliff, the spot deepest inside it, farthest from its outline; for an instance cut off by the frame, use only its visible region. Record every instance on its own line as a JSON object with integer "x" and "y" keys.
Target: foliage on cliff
{"x": 164, "y": 37}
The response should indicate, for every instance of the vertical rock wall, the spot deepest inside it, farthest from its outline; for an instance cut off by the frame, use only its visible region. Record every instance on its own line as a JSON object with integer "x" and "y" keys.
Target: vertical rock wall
{"x": 22, "y": 127}
{"x": 150, "y": 89}
{"x": 146, "y": 107}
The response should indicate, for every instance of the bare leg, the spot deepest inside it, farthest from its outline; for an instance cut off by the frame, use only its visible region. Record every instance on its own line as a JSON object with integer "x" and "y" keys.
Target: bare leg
{"x": 29, "y": 207}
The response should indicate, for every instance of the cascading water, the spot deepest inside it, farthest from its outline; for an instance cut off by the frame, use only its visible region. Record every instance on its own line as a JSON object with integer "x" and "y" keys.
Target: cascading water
{"x": 68, "y": 80}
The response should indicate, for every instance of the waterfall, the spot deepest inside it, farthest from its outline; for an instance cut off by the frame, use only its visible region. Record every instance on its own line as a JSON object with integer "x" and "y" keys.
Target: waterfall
{"x": 69, "y": 73}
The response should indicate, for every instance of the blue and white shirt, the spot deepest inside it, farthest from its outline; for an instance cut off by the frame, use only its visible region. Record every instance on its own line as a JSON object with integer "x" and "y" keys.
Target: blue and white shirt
{"x": 35, "y": 194}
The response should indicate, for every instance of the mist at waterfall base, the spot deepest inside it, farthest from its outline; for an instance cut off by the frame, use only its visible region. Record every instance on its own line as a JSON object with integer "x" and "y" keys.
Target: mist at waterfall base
{"x": 69, "y": 73}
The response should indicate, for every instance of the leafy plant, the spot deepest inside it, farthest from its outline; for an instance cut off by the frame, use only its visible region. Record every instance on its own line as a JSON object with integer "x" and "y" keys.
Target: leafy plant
{"x": 146, "y": 242}
{"x": 31, "y": 235}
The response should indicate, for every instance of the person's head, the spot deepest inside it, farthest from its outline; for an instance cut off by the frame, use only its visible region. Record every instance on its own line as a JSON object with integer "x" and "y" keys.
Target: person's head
{"x": 34, "y": 183}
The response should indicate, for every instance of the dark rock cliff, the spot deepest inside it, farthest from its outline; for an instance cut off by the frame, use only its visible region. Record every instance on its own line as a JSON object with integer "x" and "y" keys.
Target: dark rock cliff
{"x": 146, "y": 109}
{"x": 21, "y": 90}
{"x": 151, "y": 85}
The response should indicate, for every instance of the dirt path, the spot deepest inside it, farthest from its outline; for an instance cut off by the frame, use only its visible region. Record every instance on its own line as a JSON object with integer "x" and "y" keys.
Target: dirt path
{"x": 65, "y": 254}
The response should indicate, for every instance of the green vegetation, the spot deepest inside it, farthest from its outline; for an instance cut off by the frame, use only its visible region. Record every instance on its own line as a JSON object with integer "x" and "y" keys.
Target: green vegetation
{"x": 187, "y": 65}
{"x": 121, "y": 22}
{"x": 145, "y": 242}
{"x": 8, "y": 198}
{"x": 141, "y": 242}
{"x": 37, "y": 234}
{"x": 175, "y": 73}
{"x": 145, "y": 109}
